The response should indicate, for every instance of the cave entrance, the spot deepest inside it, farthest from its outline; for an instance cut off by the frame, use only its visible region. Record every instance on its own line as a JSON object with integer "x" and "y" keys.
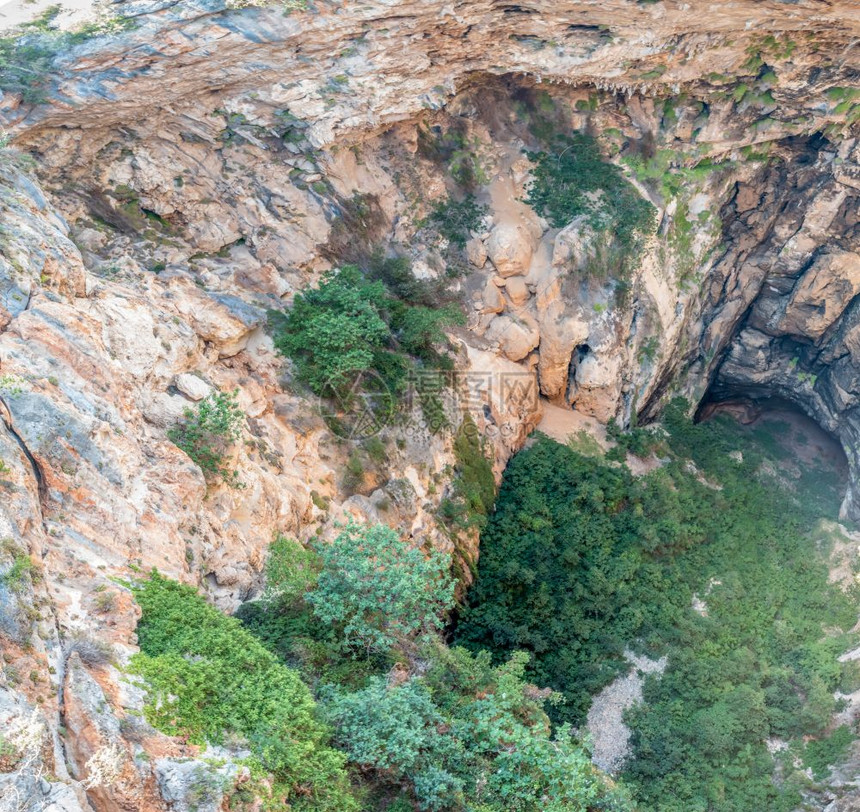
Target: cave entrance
{"x": 800, "y": 440}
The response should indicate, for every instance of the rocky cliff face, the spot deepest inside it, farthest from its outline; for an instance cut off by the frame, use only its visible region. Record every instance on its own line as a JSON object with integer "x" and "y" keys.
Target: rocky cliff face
{"x": 195, "y": 171}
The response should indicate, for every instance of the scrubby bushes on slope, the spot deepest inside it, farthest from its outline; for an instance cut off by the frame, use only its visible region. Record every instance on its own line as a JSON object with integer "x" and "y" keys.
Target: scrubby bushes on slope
{"x": 208, "y": 679}
{"x": 439, "y": 728}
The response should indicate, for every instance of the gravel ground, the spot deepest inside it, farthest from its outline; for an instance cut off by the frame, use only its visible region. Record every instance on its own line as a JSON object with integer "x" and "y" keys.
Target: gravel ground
{"x": 609, "y": 735}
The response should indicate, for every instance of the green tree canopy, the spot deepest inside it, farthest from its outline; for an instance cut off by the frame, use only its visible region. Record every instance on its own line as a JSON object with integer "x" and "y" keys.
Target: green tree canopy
{"x": 383, "y": 590}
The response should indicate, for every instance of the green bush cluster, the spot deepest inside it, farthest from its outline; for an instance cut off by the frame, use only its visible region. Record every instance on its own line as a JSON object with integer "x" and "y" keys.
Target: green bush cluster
{"x": 455, "y": 219}
{"x": 206, "y": 433}
{"x": 573, "y": 179}
{"x": 580, "y": 560}
{"x": 209, "y": 679}
{"x": 464, "y": 736}
{"x": 380, "y": 591}
{"x": 350, "y": 324}
{"x": 820, "y": 754}
{"x": 467, "y": 736}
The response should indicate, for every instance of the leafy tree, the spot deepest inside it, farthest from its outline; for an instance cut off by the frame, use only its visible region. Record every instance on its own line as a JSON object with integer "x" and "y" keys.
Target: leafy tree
{"x": 284, "y": 621}
{"x": 207, "y": 432}
{"x": 337, "y": 329}
{"x": 468, "y": 736}
{"x": 351, "y": 324}
{"x": 207, "y": 677}
{"x": 388, "y": 726}
{"x": 384, "y": 591}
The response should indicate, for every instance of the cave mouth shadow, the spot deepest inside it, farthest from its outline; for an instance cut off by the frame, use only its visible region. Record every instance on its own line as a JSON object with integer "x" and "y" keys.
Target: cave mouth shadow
{"x": 809, "y": 443}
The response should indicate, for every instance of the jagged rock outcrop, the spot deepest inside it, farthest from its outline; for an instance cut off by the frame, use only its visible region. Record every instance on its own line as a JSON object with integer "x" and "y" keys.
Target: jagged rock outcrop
{"x": 195, "y": 171}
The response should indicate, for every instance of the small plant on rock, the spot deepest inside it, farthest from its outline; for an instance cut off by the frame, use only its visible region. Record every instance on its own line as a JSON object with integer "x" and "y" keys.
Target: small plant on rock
{"x": 206, "y": 433}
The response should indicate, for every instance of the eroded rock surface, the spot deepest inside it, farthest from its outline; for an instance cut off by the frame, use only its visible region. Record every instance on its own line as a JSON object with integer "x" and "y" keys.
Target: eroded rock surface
{"x": 194, "y": 172}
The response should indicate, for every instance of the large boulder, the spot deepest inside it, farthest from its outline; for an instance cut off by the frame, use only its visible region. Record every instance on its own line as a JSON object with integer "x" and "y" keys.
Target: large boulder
{"x": 515, "y": 336}
{"x": 510, "y": 247}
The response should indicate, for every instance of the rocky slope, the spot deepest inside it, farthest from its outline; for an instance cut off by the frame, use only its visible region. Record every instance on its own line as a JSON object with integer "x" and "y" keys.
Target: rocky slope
{"x": 193, "y": 172}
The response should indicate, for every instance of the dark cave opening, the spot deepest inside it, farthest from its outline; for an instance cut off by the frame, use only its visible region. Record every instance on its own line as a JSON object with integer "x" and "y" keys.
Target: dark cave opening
{"x": 804, "y": 440}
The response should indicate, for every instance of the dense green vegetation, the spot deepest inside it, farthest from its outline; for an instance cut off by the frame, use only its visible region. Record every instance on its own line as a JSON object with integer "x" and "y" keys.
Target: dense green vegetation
{"x": 573, "y": 179}
{"x": 354, "y": 321}
{"x": 467, "y": 736}
{"x": 580, "y": 560}
{"x": 206, "y": 433}
{"x": 711, "y": 560}
{"x": 209, "y": 680}
{"x": 424, "y": 725}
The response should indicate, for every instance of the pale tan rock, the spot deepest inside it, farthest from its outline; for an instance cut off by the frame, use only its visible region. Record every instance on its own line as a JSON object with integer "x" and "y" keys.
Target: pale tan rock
{"x": 191, "y": 386}
{"x": 164, "y": 410}
{"x": 476, "y": 252}
{"x": 225, "y": 321}
{"x": 510, "y": 249}
{"x": 558, "y": 338}
{"x": 515, "y": 336}
{"x": 517, "y": 290}
{"x": 597, "y": 385}
{"x": 493, "y": 301}
{"x": 573, "y": 245}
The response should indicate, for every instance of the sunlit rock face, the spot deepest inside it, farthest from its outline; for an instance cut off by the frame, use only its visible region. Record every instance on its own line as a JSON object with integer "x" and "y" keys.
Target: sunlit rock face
{"x": 195, "y": 171}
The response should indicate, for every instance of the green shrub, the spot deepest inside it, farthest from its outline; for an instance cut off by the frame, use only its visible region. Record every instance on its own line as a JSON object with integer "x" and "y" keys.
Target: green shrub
{"x": 208, "y": 678}
{"x": 291, "y": 571}
{"x": 350, "y": 324}
{"x": 468, "y": 736}
{"x": 457, "y": 151}
{"x": 207, "y": 432}
{"x": 353, "y": 475}
{"x": 396, "y": 274}
{"x": 575, "y": 180}
{"x": 337, "y": 329}
{"x": 17, "y": 576}
{"x": 456, "y": 219}
{"x": 384, "y": 591}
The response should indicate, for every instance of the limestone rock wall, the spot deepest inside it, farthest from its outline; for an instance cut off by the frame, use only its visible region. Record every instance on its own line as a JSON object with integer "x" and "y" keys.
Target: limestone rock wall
{"x": 194, "y": 172}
